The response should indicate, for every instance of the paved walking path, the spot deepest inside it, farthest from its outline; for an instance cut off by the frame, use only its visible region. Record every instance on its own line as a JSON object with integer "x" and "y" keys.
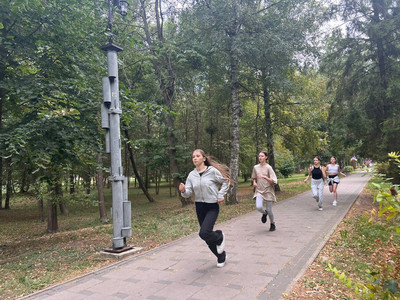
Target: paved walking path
{"x": 260, "y": 264}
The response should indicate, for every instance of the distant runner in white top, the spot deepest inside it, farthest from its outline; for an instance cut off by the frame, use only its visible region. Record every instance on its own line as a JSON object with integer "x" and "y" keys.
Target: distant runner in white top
{"x": 333, "y": 171}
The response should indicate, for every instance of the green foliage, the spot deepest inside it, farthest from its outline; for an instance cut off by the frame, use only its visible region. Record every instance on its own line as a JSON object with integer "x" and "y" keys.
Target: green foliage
{"x": 381, "y": 168}
{"x": 48, "y": 95}
{"x": 50, "y": 83}
{"x": 284, "y": 161}
{"x": 388, "y": 197}
{"x": 365, "y": 109}
{"x": 362, "y": 291}
{"x": 348, "y": 169}
{"x": 286, "y": 168}
{"x": 385, "y": 259}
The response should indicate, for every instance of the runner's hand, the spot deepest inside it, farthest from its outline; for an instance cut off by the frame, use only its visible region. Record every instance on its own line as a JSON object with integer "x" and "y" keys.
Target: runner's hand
{"x": 182, "y": 187}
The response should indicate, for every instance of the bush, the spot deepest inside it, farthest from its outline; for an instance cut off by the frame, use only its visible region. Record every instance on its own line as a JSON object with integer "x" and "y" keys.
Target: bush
{"x": 381, "y": 168}
{"x": 286, "y": 167}
{"x": 279, "y": 174}
{"x": 384, "y": 261}
{"x": 284, "y": 161}
{"x": 393, "y": 171}
{"x": 347, "y": 169}
{"x": 390, "y": 169}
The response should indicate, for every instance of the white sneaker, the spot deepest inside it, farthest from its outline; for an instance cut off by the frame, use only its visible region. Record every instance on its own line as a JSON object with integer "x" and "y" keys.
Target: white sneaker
{"x": 334, "y": 203}
{"x": 221, "y": 264}
{"x": 221, "y": 248}
{"x": 319, "y": 208}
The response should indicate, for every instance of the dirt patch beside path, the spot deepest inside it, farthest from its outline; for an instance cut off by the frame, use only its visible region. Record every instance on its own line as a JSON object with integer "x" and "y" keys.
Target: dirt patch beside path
{"x": 317, "y": 283}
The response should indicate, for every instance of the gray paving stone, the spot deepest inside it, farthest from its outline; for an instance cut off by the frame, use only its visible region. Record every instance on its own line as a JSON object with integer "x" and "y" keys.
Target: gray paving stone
{"x": 178, "y": 291}
{"x": 260, "y": 265}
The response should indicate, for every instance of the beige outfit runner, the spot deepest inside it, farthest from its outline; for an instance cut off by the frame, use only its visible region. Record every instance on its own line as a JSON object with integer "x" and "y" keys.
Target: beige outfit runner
{"x": 264, "y": 188}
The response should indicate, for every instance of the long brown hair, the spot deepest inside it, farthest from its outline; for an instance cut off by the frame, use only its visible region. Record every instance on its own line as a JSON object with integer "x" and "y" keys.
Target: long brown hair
{"x": 211, "y": 161}
{"x": 266, "y": 155}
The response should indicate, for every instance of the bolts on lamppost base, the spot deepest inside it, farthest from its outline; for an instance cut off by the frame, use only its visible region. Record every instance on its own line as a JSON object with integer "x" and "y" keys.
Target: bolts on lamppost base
{"x": 120, "y": 250}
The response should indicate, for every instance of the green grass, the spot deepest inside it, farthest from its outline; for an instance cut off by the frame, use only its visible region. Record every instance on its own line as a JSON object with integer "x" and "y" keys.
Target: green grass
{"x": 31, "y": 259}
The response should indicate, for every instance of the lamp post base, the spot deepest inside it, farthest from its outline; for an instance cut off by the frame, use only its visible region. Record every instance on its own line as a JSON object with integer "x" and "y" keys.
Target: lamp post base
{"x": 120, "y": 253}
{"x": 119, "y": 250}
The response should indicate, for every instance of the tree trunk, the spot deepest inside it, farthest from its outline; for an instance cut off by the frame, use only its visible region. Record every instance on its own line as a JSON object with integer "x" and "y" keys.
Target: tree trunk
{"x": 24, "y": 184}
{"x": 172, "y": 158}
{"x": 126, "y": 163}
{"x": 257, "y": 131}
{"x": 100, "y": 191}
{"x": 41, "y": 209}
{"x": 59, "y": 194}
{"x": 146, "y": 177}
{"x": 167, "y": 88}
{"x": 52, "y": 221}
{"x": 380, "y": 11}
{"x": 2, "y": 94}
{"x": 169, "y": 184}
{"x": 39, "y": 200}
{"x": 146, "y": 168}
{"x": 134, "y": 168}
{"x": 158, "y": 182}
{"x": 1, "y": 182}
{"x": 268, "y": 125}
{"x": 71, "y": 184}
{"x": 8, "y": 184}
{"x": 87, "y": 180}
{"x": 232, "y": 197}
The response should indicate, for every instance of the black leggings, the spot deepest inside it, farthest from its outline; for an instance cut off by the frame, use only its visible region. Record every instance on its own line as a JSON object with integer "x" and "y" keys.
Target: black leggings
{"x": 207, "y": 214}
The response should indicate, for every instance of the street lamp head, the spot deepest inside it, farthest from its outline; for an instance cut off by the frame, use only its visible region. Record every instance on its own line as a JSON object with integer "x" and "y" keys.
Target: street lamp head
{"x": 123, "y": 7}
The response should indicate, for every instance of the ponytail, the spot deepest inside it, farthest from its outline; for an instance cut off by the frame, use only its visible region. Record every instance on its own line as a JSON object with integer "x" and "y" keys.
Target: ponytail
{"x": 211, "y": 161}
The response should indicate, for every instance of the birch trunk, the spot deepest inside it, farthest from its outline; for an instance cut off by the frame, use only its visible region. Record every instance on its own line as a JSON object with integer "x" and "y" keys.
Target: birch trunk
{"x": 232, "y": 197}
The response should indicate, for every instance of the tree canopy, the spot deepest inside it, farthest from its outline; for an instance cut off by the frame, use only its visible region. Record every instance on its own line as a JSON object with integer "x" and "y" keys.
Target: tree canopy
{"x": 230, "y": 77}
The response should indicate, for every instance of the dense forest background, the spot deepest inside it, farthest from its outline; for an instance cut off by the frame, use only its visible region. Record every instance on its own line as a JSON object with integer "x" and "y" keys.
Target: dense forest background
{"x": 297, "y": 78}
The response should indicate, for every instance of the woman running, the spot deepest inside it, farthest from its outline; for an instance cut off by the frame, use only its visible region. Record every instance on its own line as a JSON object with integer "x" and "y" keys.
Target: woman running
{"x": 264, "y": 180}
{"x": 333, "y": 171}
{"x": 209, "y": 181}
{"x": 317, "y": 174}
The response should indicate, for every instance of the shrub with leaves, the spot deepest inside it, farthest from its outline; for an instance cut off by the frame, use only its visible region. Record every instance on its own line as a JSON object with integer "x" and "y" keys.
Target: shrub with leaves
{"x": 347, "y": 169}
{"x": 362, "y": 291}
{"x": 388, "y": 198}
{"x": 384, "y": 276}
{"x": 386, "y": 258}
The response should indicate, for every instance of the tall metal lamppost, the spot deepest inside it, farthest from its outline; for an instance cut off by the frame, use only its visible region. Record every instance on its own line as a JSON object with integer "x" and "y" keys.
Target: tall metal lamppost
{"x": 110, "y": 120}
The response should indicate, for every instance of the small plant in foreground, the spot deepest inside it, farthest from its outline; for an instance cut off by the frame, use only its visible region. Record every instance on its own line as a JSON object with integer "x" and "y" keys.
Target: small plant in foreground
{"x": 389, "y": 199}
{"x": 385, "y": 259}
{"x": 361, "y": 290}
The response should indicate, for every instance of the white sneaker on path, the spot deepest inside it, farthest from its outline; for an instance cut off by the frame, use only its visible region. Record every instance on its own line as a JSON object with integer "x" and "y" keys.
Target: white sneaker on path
{"x": 221, "y": 264}
{"x": 221, "y": 247}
